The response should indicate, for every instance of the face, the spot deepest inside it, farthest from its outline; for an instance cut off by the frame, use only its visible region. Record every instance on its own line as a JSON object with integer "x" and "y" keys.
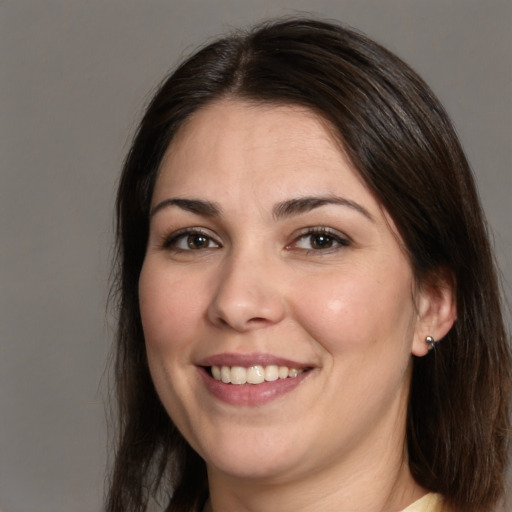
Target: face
{"x": 270, "y": 262}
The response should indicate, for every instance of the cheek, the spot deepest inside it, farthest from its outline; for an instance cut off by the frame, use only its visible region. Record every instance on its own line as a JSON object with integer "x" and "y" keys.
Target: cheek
{"x": 345, "y": 313}
{"x": 170, "y": 310}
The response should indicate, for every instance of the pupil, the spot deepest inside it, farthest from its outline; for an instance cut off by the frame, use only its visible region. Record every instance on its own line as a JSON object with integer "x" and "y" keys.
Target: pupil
{"x": 197, "y": 241}
{"x": 321, "y": 241}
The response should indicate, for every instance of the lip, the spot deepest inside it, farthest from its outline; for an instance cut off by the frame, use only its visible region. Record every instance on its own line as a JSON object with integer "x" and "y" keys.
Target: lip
{"x": 247, "y": 360}
{"x": 250, "y": 394}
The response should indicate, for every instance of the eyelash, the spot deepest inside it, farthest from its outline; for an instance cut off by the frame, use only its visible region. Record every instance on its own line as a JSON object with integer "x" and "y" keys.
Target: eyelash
{"x": 334, "y": 238}
{"x": 171, "y": 241}
{"x": 331, "y": 235}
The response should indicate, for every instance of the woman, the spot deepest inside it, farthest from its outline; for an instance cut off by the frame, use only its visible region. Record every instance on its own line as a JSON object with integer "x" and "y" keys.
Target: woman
{"x": 309, "y": 311}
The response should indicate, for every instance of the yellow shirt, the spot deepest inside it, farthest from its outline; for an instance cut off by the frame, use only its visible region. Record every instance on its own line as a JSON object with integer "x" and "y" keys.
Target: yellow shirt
{"x": 429, "y": 503}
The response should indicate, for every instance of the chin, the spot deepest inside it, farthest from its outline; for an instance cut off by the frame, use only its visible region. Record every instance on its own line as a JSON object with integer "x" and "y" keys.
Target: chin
{"x": 266, "y": 458}
{"x": 260, "y": 469}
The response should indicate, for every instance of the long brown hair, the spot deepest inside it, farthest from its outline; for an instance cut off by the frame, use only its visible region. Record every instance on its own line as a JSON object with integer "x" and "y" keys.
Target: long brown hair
{"x": 402, "y": 143}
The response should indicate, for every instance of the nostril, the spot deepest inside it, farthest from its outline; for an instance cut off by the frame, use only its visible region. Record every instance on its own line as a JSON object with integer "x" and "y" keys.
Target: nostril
{"x": 243, "y": 324}
{"x": 257, "y": 320}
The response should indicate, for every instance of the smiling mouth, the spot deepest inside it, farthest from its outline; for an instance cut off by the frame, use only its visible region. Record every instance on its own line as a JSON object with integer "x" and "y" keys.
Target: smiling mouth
{"x": 256, "y": 374}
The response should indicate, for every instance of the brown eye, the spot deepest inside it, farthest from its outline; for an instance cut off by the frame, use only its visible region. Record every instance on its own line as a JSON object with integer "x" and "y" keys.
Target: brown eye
{"x": 197, "y": 241}
{"x": 321, "y": 241}
{"x": 190, "y": 240}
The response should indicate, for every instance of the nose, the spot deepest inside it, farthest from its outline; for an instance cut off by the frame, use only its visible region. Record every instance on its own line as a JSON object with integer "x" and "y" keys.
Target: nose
{"x": 247, "y": 296}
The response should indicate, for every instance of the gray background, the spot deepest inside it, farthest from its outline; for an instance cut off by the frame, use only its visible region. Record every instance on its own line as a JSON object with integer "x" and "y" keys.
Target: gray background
{"x": 75, "y": 76}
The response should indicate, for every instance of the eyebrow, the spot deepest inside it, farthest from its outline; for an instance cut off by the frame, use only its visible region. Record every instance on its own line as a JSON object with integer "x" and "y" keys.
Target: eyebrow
{"x": 280, "y": 211}
{"x": 199, "y": 206}
{"x": 306, "y": 204}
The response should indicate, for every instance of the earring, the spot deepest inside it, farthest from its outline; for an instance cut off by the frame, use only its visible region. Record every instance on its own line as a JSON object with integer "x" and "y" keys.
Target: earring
{"x": 431, "y": 342}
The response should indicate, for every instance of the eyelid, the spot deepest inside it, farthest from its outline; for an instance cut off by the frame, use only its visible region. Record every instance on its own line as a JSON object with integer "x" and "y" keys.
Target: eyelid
{"x": 341, "y": 238}
{"x": 170, "y": 238}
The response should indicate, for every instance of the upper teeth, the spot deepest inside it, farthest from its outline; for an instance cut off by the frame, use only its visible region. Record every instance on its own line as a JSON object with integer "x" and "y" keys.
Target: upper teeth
{"x": 252, "y": 375}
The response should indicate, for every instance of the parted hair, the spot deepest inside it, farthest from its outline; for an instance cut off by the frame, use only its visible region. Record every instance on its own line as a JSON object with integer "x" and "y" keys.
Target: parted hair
{"x": 404, "y": 147}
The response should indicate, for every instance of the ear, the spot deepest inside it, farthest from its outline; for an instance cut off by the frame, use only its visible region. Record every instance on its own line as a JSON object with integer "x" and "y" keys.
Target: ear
{"x": 437, "y": 311}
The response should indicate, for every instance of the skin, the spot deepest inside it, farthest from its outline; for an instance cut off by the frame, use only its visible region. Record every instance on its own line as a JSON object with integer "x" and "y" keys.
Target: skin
{"x": 349, "y": 310}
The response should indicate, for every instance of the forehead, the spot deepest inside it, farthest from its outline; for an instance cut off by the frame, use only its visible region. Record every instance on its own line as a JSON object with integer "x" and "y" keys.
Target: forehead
{"x": 263, "y": 118}
{"x": 234, "y": 141}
